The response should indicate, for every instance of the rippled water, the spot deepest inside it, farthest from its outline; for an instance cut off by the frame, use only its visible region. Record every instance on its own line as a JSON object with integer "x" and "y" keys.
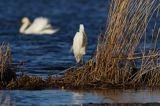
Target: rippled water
{"x": 66, "y": 97}
{"x": 50, "y": 53}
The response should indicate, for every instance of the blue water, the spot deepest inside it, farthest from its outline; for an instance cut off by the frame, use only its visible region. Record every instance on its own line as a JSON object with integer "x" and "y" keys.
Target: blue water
{"x": 66, "y": 97}
{"x": 50, "y": 54}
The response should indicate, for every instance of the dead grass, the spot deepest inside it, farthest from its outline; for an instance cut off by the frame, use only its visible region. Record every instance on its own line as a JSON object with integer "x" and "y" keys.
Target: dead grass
{"x": 6, "y": 72}
{"x": 117, "y": 62}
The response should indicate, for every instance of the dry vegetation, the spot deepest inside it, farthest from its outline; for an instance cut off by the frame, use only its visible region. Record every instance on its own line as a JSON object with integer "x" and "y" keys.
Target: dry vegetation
{"x": 123, "y": 56}
{"x": 6, "y": 71}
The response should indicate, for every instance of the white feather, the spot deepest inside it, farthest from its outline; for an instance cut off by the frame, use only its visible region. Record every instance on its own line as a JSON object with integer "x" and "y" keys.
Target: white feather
{"x": 40, "y": 25}
{"x": 79, "y": 44}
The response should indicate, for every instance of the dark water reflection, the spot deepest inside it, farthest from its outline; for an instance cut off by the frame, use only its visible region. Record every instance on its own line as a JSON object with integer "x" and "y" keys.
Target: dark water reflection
{"x": 66, "y": 97}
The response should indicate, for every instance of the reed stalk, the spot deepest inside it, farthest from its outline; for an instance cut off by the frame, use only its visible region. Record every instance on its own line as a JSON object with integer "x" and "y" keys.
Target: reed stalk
{"x": 116, "y": 61}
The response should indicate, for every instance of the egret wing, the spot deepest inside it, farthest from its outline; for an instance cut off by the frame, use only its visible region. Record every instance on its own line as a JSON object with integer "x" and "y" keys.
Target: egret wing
{"x": 77, "y": 45}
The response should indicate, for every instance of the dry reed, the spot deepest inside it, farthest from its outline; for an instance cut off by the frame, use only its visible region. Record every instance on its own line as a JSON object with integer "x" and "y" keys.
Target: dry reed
{"x": 6, "y": 72}
{"x": 117, "y": 62}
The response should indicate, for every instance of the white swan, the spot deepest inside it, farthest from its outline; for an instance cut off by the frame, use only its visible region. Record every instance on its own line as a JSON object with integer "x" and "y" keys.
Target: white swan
{"x": 79, "y": 44}
{"x": 39, "y": 26}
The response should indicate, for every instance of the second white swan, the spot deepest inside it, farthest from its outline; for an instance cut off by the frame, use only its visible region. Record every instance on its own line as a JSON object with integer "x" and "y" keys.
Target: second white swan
{"x": 40, "y": 26}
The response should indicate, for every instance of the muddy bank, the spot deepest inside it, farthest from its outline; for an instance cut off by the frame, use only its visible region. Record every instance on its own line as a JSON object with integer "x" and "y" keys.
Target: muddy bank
{"x": 68, "y": 81}
{"x": 73, "y": 78}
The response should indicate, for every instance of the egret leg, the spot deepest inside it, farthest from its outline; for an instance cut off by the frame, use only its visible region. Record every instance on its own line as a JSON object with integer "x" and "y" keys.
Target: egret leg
{"x": 83, "y": 60}
{"x": 77, "y": 64}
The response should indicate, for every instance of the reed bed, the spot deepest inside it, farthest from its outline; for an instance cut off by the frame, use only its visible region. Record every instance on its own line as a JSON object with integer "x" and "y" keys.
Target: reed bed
{"x": 122, "y": 57}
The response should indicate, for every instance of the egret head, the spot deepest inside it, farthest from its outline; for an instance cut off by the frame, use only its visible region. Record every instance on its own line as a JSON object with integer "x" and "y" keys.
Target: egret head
{"x": 81, "y": 28}
{"x": 25, "y": 20}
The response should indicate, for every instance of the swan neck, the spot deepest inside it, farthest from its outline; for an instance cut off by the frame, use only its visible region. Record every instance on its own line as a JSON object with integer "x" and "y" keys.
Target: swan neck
{"x": 24, "y": 26}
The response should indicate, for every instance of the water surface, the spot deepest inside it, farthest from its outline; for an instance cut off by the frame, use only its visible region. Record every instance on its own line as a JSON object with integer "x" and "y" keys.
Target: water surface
{"x": 50, "y": 53}
{"x": 67, "y": 97}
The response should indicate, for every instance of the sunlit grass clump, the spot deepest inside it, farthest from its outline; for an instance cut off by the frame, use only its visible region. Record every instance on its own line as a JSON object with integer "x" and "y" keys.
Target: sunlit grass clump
{"x": 6, "y": 72}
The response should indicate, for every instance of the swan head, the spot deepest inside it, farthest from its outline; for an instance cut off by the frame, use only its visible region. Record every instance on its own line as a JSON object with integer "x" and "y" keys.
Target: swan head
{"x": 25, "y": 20}
{"x": 81, "y": 28}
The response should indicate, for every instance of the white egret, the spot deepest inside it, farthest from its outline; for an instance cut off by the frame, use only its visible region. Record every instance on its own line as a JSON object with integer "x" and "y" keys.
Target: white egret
{"x": 40, "y": 25}
{"x": 79, "y": 44}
